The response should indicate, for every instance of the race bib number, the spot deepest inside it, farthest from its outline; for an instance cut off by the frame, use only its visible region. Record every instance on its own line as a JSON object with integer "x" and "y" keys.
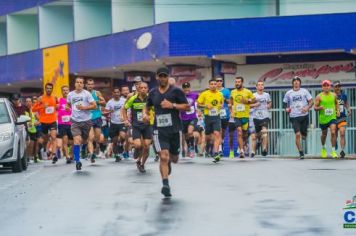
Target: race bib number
{"x": 65, "y": 118}
{"x": 49, "y": 110}
{"x": 298, "y": 106}
{"x": 223, "y": 113}
{"x": 213, "y": 112}
{"x": 191, "y": 111}
{"x": 329, "y": 112}
{"x": 164, "y": 120}
{"x": 231, "y": 120}
{"x": 341, "y": 107}
{"x": 260, "y": 114}
{"x": 139, "y": 116}
{"x": 240, "y": 107}
{"x": 75, "y": 108}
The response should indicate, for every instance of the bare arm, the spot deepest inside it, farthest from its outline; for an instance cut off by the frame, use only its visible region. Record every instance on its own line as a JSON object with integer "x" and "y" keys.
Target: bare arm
{"x": 102, "y": 101}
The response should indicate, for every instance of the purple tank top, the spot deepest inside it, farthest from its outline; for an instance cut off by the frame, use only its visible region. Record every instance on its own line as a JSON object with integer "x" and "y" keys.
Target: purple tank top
{"x": 192, "y": 114}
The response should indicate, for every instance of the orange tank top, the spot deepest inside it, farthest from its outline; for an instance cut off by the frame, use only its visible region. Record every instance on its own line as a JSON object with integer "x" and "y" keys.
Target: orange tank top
{"x": 47, "y": 109}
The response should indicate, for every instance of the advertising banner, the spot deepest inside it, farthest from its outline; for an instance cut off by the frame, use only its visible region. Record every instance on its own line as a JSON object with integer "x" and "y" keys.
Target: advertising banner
{"x": 56, "y": 68}
{"x": 280, "y": 75}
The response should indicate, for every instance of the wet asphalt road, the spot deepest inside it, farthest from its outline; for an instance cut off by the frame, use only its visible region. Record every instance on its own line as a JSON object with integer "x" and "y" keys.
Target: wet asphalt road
{"x": 233, "y": 197}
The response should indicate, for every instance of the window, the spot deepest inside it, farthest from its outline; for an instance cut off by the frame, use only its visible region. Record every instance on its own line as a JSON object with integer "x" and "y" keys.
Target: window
{"x": 4, "y": 114}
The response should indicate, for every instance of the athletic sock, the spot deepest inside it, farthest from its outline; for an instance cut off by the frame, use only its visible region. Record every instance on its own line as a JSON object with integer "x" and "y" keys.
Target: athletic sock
{"x": 165, "y": 182}
{"x": 333, "y": 149}
{"x": 76, "y": 152}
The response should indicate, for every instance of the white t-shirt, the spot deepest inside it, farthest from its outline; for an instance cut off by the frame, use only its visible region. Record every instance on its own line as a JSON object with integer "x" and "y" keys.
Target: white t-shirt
{"x": 115, "y": 106}
{"x": 296, "y": 100}
{"x": 83, "y": 98}
{"x": 261, "y": 112}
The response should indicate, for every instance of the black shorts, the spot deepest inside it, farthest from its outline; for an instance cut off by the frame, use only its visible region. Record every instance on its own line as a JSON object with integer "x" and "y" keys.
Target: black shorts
{"x": 224, "y": 123}
{"x": 232, "y": 125}
{"x": 300, "y": 124}
{"x": 327, "y": 125}
{"x": 46, "y": 128}
{"x": 143, "y": 131}
{"x": 33, "y": 136}
{"x": 187, "y": 123}
{"x": 64, "y": 130}
{"x": 259, "y": 124}
{"x": 167, "y": 141}
{"x": 212, "y": 123}
{"x": 115, "y": 129}
{"x": 97, "y": 123}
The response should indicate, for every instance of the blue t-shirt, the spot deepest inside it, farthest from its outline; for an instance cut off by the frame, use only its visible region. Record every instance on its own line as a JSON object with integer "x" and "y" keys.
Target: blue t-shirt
{"x": 342, "y": 100}
{"x": 226, "y": 93}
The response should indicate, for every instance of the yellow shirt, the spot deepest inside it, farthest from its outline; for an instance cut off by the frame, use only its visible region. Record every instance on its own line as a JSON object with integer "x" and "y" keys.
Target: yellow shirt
{"x": 216, "y": 99}
{"x": 239, "y": 109}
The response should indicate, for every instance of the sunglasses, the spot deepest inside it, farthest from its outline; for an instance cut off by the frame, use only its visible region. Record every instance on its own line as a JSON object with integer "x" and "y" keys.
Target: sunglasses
{"x": 219, "y": 81}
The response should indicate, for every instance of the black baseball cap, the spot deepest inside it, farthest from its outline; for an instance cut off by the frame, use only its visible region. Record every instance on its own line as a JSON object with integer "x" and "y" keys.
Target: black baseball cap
{"x": 163, "y": 71}
{"x": 186, "y": 85}
{"x": 15, "y": 96}
{"x": 337, "y": 83}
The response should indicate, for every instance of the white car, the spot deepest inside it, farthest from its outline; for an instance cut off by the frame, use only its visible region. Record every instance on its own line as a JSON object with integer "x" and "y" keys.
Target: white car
{"x": 12, "y": 138}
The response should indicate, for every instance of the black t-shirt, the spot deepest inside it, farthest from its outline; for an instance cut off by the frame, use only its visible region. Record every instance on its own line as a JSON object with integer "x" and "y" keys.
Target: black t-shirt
{"x": 167, "y": 120}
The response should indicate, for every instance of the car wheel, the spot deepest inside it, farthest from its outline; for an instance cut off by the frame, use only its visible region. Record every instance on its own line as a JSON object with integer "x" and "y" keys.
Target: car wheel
{"x": 17, "y": 166}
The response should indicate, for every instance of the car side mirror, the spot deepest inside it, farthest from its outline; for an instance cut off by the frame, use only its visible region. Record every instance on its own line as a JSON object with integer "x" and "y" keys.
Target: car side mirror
{"x": 22, "y": 120}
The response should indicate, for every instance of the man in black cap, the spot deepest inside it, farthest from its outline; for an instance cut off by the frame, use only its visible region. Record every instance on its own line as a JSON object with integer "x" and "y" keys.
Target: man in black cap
{"x": 167, "y": 101}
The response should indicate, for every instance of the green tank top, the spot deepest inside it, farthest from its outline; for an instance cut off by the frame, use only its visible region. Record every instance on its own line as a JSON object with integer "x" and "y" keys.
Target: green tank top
{"x": 329, "y": 112}
{"x": 31, "y": 128}
{"x": 95, "y": 114}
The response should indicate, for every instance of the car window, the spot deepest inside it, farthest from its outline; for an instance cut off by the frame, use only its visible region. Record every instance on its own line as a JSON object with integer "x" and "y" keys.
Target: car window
{"x": 4, "y": 114}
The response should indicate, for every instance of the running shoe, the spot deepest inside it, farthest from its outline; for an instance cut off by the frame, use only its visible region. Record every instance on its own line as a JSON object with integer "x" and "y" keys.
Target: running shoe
{"x": 117, "y": 158}
{"x": 334, "y": 154}
{"x": 242, "y": 155}
{"x": 92, "y": 158}
{"x": 55, "y": 159}
{"x": 125, "y": 155}
{"x": 78, "y": 166}
{"x": 252, "y": 155}
{"x": 232, "y": 154}
{"x": 216, "y": 158}
{"x": 301, "y": 155}
{"x": 141, "y": 168}
{"x": 264, "y": 153}
{"x": 68, "y": 160}
{"x": 342, "y": 154}
{"x": 324, "y": 153}
{"x": 166, "y": 190}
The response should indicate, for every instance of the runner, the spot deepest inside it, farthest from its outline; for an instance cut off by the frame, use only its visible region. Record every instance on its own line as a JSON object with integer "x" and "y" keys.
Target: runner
{"x": 297, "y": 103}
{"x": 212, "y": 101}
{"x": 261, "y": 117}
{"x": 64, "y": 137}
{"x": 81, "y": 102}
{"x": 224, "y": 113}
{"x": 46, "y": 107}
{"x": 128, "y": 143}
{"x": 141, "y": 132}
{"x": 201, "y": 131}
{"x": 31, "y": 131}
{"x": 240, "y": 101}
{"x": 341, "y": 120}
{"x": 327, "y": 104}
{"x": 95, "y": 140}
{"x": 167, "y": 102}
{"x": 190, "y": 120}
{"x": 118, "y": 129}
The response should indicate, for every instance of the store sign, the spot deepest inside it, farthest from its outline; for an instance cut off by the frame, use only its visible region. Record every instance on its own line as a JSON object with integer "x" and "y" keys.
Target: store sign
{"x": 310, "y": 73}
